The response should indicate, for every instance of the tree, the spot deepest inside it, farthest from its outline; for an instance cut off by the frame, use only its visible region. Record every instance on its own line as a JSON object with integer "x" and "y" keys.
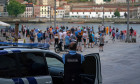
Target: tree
{"x": 107, "y": 0}
{"x": 117, "y": 13}
{"x": 15, "y": 8}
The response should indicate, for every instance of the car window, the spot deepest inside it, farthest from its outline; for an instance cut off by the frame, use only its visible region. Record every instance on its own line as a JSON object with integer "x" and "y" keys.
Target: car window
{"x": 8, "y": 66}
{"x": 53, "y": 61}
{"x": 32, "y": 64}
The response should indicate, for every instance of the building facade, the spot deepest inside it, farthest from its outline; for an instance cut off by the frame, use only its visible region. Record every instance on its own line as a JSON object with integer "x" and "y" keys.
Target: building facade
{"x": 29, "y": 11}
{"x": 138, "y": 12}
{"x": 57, "y": 3}
{"x": 118, "y": 1}
{"x": 44, "y": 2}
{"x": 45, "y": 11}
{"x": 98, "y": 1}
{"x": 60, "y": 12}
{"x": 39, "y": 2}
{"x": 51, "y": 3}
{"x": 36, "y": 11}
{"x": 66, "y": 8}
{"x": 62, "y": 2}
{"x": 1, "y": 8}
{"x": 94, "y": 13}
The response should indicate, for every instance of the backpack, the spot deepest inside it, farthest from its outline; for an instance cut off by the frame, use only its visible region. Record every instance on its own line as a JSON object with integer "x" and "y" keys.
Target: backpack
{"x": 90, "y": 36}
{"x": 73, "y": 38}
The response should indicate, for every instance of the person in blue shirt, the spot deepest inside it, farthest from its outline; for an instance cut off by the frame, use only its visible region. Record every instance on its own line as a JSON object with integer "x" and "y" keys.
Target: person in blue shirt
{"x": 39, "y": 36}
{"x": 67, "y": 40}
{"x": 72, "y": 65}
{"x": 76, "y": 33}
{"x": 93, "y": 38}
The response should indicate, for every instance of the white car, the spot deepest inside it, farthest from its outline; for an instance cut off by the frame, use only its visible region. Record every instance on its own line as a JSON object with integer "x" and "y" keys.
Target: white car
{"x": 37, "y": 66}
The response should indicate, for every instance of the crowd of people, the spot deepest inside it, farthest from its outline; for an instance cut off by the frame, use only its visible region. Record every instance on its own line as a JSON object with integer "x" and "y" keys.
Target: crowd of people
{"x": 64, "y": 36}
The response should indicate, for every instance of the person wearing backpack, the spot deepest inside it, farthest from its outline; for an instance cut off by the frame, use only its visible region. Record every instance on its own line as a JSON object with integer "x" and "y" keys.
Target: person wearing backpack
{"x": 79, "y": 39}
{"x": 72, "y": 38}
{"x": 90, "y": 40}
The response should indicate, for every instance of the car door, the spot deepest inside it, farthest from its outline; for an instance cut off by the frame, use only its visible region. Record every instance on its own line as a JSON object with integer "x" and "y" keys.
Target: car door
{"x": 8, "y": 68}
{"x": 33, "y": 68}
{"x": 91, "y": 69}
{"x": 55, "y": 67}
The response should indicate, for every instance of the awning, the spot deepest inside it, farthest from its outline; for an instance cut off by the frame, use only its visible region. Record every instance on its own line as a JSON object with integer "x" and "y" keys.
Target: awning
{"x": 4, "y": 24}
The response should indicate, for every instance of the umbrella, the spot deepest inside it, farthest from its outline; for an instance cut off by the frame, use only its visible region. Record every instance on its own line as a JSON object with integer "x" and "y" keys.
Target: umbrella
{"x": 4, "y": 24}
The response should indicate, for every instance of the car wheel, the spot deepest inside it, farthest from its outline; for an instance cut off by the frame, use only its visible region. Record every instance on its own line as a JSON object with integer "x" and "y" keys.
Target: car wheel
{"x": 57, "y": 50}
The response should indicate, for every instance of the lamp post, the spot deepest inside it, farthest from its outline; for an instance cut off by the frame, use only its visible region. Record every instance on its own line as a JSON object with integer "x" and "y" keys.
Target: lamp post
{"x": 55, "y": 14}
{"x": 16, "y": 31}
{"x": 103, "y": 16}
{"x": 128, "y": 16}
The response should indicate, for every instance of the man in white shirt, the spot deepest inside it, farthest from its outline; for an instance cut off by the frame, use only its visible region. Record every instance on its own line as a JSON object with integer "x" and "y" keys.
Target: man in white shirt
{"x": 61, "y": 39}
{"x": 85, "y": 38}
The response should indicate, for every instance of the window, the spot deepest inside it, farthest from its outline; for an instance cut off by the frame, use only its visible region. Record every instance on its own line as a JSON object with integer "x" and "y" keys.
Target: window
{"x": 8, "y": 66}
{"x": 52, "y": 61}
{"x": 48, "y": 8}
{"x": 32, "y": 64}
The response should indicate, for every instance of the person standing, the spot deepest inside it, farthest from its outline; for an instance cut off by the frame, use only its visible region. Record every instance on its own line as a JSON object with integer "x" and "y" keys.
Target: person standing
{"x": 72, "y": 29}
{"x": 99, "y": 28}
{"x": 67, "y": 41}
{"x": 107, "y": 30}
{"x": 79, "y": 39}
{"x": 93, "y": 38}
{"x": 72, "y": 38}
{"x": 110, "y": 30}
{"x": 39, "y": 37}
{"x": 131, "y": 32}
{"x": 101, "y": 39}
{"x": 47, "y": 37}
{"x": 32, "y": 36}
{"x": 84, "y": 38}
{"x": 90, "y": 40}
{"x": 72, "y": 65}
{"x": 27, "y": 32}
{"x": 61, "y": 38}
{"x": 56, "y": 37}
{"x": 44, "y": 36}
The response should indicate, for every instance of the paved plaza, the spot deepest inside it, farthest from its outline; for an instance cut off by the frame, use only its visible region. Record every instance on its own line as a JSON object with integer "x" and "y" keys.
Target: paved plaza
{"x": 120, "y": 61}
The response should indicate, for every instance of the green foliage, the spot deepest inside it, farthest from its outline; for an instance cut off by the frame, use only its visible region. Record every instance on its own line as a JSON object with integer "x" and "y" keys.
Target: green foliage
{"x": 15, "y": 8}
{"x": 83, "y": 0}
{"x": 117, "y": 13}
{"x": 26, "y": 0}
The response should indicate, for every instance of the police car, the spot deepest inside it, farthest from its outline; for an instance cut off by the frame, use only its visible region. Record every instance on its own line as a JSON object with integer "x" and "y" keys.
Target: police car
{"x": 37, "y": 66}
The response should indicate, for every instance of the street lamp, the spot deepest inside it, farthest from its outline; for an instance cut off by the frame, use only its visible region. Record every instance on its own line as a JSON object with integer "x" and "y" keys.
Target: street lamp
{"x": 103, "y": 16}
{"x": 55, "y": 14}
{"x": 128, "y": 16}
